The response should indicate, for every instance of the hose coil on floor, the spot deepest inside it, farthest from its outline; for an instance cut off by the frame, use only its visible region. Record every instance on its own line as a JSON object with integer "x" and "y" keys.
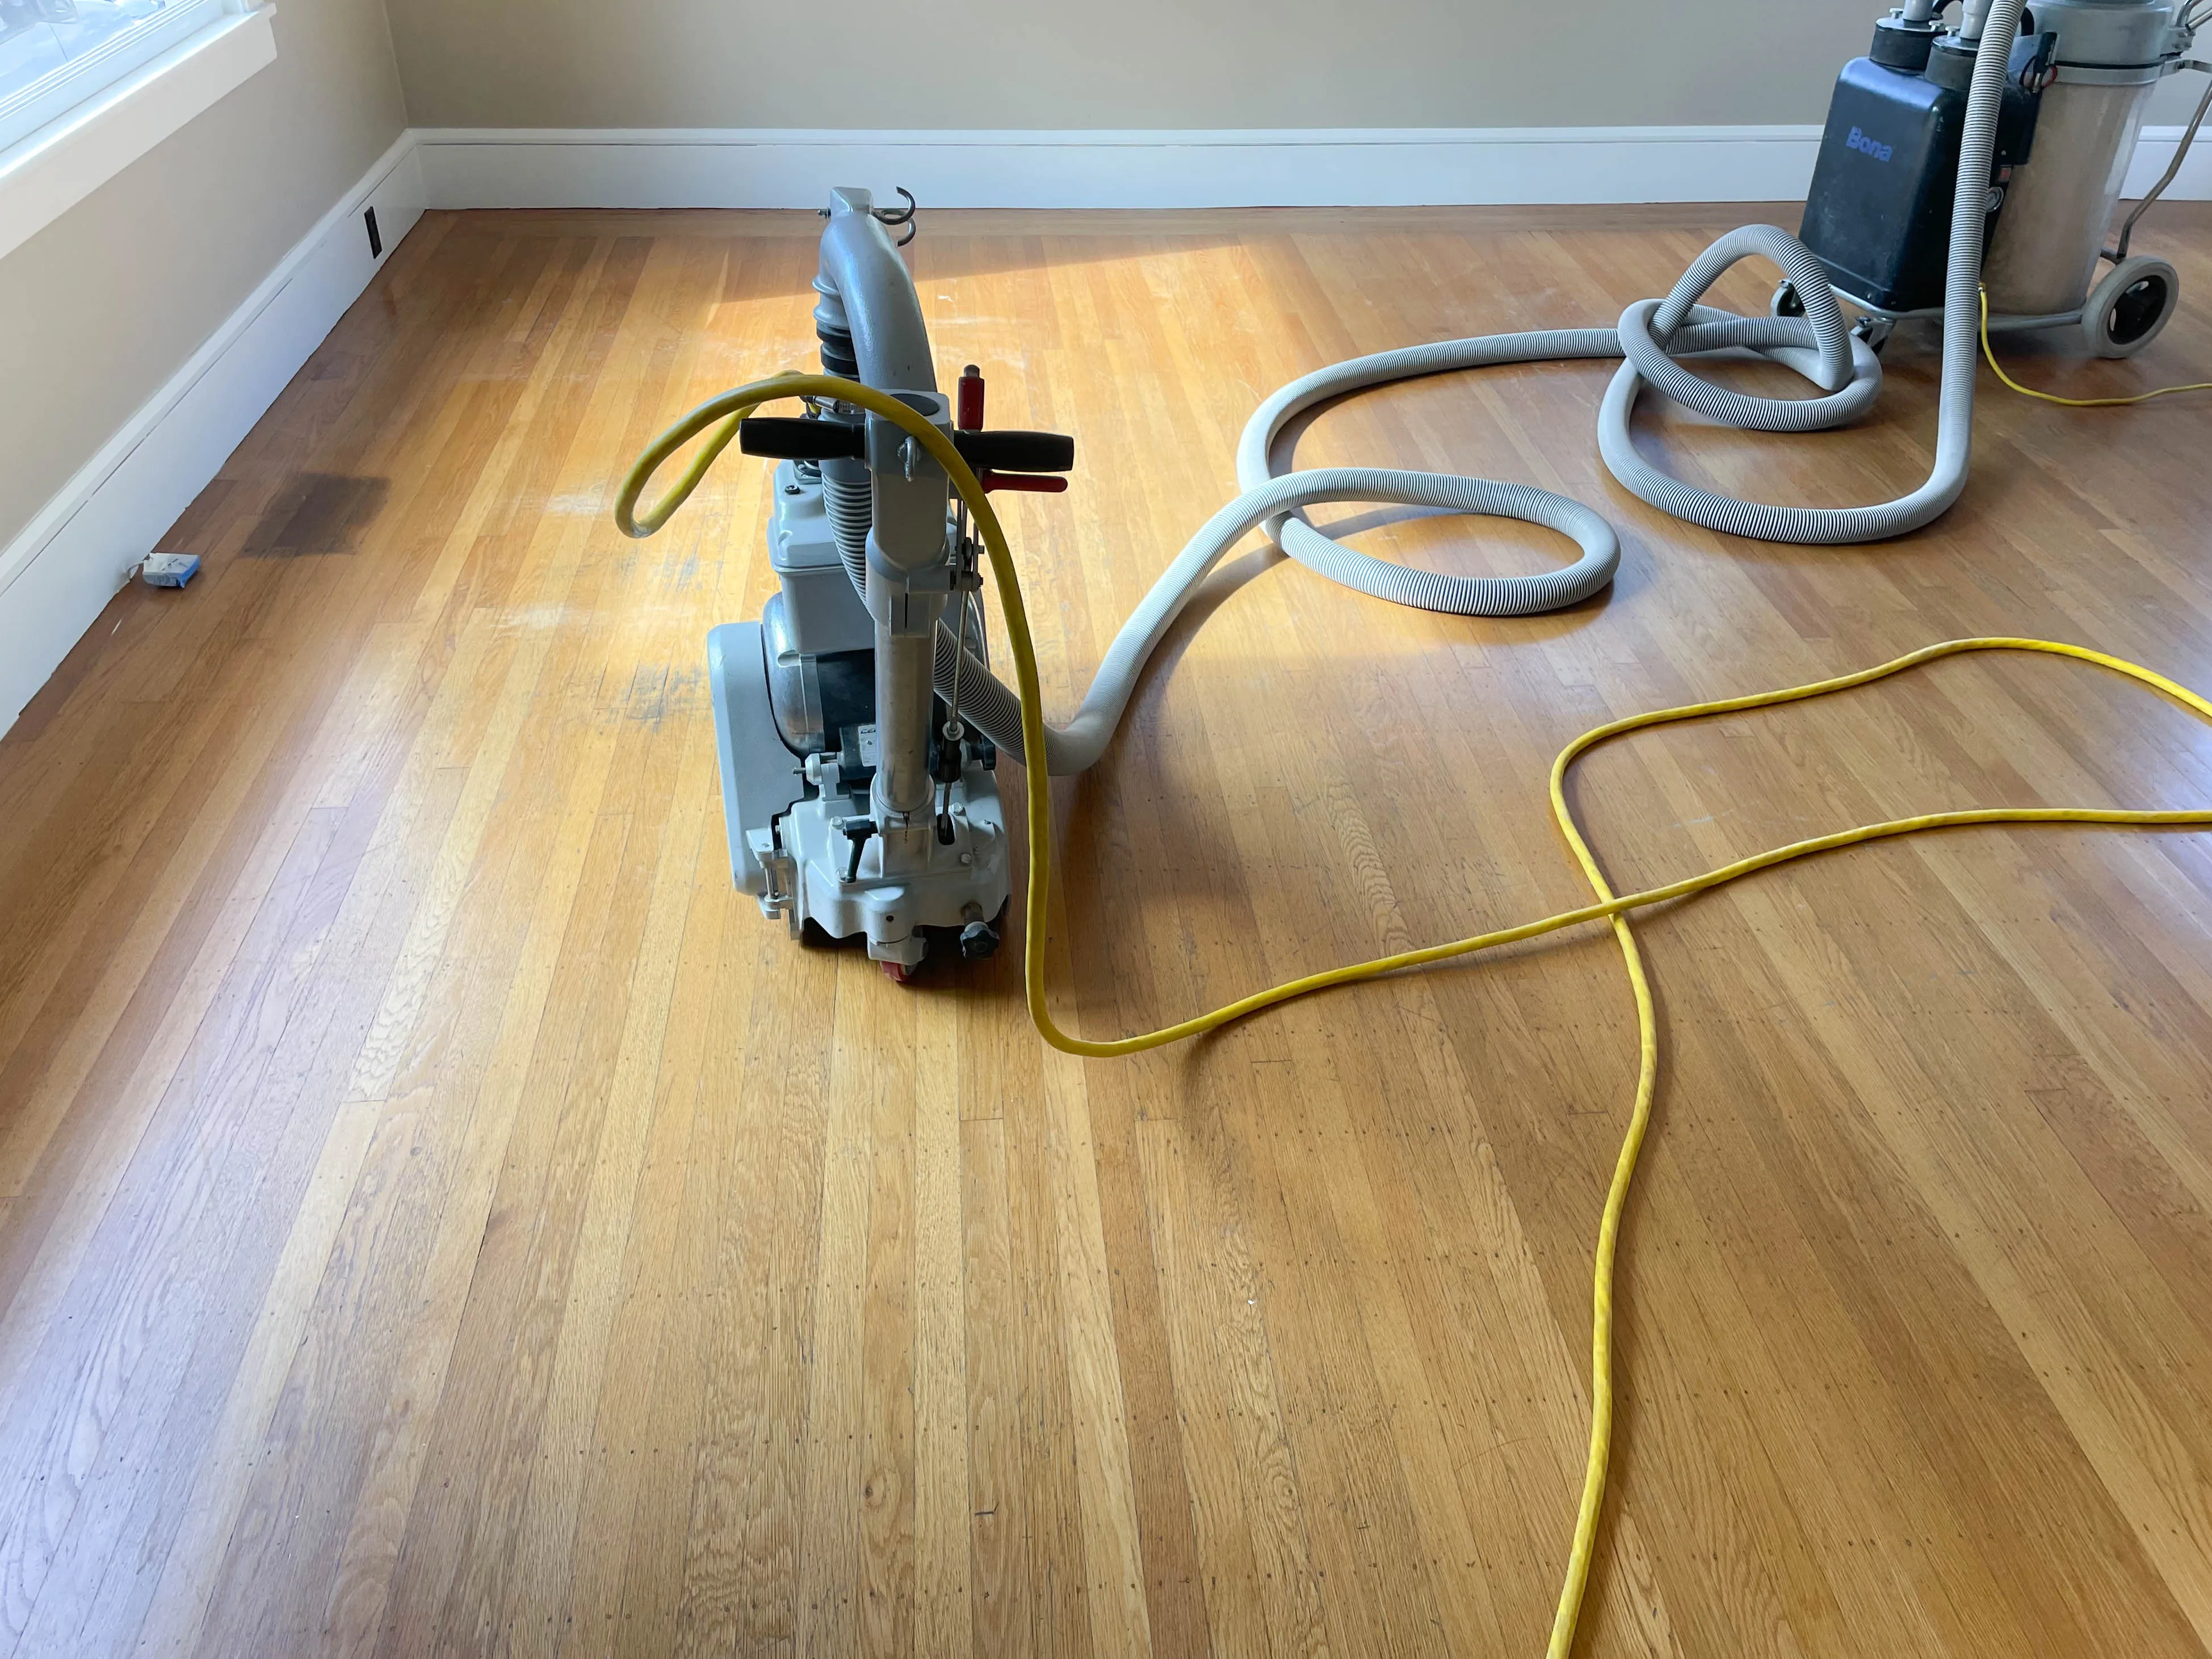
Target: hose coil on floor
{"x": 1649, "y": 336}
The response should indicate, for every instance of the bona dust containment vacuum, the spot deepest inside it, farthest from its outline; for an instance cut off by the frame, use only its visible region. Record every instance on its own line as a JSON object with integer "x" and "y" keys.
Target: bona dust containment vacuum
{"x": 859, "y": 721}
{"x": 2078, "y": 77}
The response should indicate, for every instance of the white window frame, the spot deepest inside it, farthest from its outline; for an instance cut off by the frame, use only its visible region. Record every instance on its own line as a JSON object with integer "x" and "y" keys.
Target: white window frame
{"x": 120, "y": 101}
{"x": 23, "y": 112}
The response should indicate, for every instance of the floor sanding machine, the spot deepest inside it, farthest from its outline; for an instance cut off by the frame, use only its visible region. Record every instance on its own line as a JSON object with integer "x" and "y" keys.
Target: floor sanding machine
{"x": 859, "y": 720}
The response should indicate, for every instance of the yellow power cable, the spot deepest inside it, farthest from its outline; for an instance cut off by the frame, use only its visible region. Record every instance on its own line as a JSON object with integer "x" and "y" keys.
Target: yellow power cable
{"x": 732, "y": 407}
{"x": 2073, "y": 403}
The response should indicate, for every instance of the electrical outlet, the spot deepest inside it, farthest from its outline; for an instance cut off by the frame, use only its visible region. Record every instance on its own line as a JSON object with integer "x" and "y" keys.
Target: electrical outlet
{"x": 375, "y": 236}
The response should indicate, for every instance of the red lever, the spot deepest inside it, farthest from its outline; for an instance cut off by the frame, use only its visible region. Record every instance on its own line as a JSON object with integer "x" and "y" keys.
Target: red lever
{"x": 969, "y": 417}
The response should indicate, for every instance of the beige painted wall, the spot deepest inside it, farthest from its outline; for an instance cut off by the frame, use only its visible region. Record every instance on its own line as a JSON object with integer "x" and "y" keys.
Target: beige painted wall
{"x": 101, "y": 306}
{"x": 1044, "y": 63}
{"x": 1186, "y": 63}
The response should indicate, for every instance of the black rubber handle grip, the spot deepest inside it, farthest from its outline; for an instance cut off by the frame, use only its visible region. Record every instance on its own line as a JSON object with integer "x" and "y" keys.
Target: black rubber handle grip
{"x": 998, "y": 449}
{"x": 1003, "y": 449}
{"x": 784, "y": 438}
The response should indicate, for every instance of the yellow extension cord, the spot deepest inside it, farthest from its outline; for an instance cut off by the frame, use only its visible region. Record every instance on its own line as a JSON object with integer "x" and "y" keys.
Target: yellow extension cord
{"x": 733, "y": 406}
{"x": 1997, "y": 367}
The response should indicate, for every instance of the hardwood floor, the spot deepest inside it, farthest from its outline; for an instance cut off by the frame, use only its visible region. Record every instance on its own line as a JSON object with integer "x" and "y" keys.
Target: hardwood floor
{"x": 438, "y": 1215}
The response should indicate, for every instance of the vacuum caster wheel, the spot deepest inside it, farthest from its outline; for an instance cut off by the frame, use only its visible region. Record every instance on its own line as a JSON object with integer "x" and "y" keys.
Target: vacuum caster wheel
{"x": 2126, "y": 310}
{"x": 899, "y": 974}
{"x": 1785, "y": 302}
{"x": 1875, "y": 331}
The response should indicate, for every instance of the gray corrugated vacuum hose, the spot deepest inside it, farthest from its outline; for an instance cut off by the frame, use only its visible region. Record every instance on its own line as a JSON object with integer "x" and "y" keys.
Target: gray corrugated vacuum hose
{"x": 1650, "y": 336}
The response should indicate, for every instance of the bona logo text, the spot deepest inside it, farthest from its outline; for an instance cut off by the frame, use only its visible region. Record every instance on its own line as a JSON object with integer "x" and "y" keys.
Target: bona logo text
{"x": 1866, "y": 146}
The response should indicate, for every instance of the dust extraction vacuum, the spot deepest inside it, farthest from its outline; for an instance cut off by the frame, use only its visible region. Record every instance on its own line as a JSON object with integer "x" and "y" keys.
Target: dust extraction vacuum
{"x": 2080, "y": 72}
{"x": 859, "y": 720}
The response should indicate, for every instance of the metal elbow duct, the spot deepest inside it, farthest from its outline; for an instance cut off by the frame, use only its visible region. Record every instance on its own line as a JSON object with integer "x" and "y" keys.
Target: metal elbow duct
{"x": 868, "y": 299}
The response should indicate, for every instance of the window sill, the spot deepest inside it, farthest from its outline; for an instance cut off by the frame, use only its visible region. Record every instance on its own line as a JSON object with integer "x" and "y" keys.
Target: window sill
{"x": 65, "y": 161}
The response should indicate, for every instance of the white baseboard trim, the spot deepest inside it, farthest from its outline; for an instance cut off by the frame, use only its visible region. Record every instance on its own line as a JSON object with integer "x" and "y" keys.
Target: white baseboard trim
{"x": 59, "y": 573}
{"x": 772, "y": 167}
{"x": 2155, "y": 150}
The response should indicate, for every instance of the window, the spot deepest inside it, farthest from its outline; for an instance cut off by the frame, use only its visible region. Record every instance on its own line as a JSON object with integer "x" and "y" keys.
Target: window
{"x": 54, "y": 54}
{"x": 87, "y": 87}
